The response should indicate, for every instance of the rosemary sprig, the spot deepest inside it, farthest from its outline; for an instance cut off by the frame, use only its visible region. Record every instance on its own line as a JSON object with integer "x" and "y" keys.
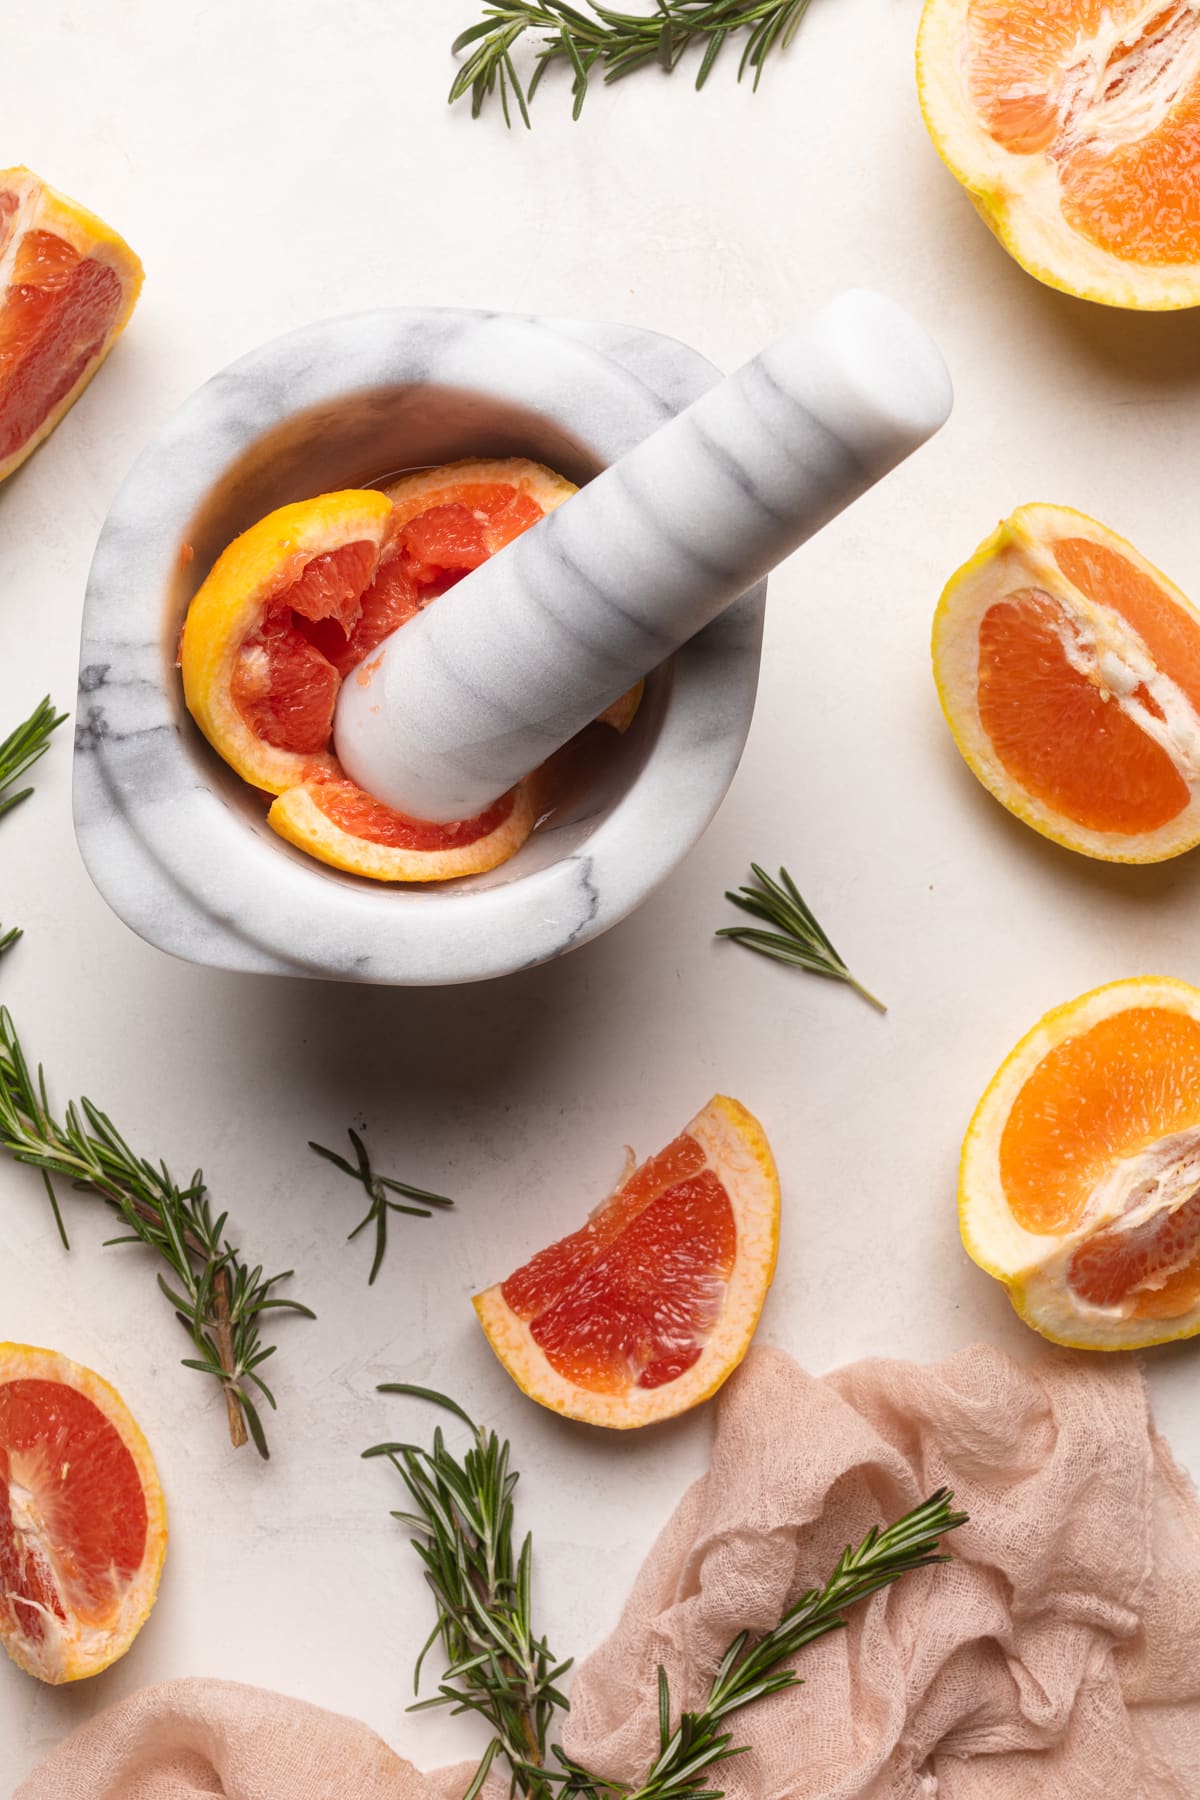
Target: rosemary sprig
{"x": 501, "y": 1670}
{"x": 22, "y": 748}
{"x": 618, "y": 42}
{"x": 497, "y": 1665}
{"x": 799, "y": 939}
{"x": 377, "y": 1188}
{"x": 751, "y": 1671}
{"x": 216, "y": 1297}
{"x": 9, "y": 938}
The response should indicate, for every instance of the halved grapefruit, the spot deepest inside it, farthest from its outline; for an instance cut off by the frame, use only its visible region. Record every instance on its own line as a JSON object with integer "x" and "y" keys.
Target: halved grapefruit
{"x": 1075, "y": 128}
{"x": 296, "y": 603}
{"x": 644, "y": 1311}
{"x": 1079, "y": 1186}
{"x": 1068, "y": 669}
{"x": 83, "y": 1529}
{"x": 68, "y": 285}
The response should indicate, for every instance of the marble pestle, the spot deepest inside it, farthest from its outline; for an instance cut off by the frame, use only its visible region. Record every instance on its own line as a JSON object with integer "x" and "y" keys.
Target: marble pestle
{"x": 476, "y": 691}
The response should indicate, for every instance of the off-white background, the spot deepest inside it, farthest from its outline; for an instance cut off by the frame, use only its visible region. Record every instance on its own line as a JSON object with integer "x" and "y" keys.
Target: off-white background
{"x": 277, "y": 163}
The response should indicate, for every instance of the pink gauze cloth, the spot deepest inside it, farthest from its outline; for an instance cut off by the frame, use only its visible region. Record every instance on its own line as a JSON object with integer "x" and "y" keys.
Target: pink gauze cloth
{"x": 1056, "y": 1658}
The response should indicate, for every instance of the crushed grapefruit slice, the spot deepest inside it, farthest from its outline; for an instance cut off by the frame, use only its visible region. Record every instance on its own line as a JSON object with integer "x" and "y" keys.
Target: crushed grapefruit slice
{"x": 1068, "y": 669}
{"x": 339, "y": 824}
{"x": 83, "y": 1526}
{"x": 1075, "y": 128}
{"x": 1079, "y": 1186}
{"x": 68, "y": 285}
{"x": 644, "y": 1311}
{"x": 295, "y": 604}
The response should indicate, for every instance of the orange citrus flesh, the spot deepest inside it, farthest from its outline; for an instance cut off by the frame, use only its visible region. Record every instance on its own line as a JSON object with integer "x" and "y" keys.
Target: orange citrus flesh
{"x": 82, "y": 1532}
{"x": 1069, "y": 672}
{"x": 67, "y": 288}
{"x": 1080, "y": 1182}
{"x": 646, "y": 1309}
{"x": 1075, "y": 126}
{"x": 1106, "y": 1093}
{"x": 1058, "y": 734}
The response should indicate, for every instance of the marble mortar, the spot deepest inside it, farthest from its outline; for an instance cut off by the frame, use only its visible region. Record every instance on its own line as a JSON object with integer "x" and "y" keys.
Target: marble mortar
{"x": 173, "y": 840}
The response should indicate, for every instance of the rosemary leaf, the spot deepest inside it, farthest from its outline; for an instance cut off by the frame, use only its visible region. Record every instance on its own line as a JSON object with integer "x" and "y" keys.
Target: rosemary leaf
{"x": 215, "y": 1296}
{"x": 22, "y": 748}
{"x": 8, "y": 938}
{"x": 377, "y": 1188}
{"x": 618, "y": 42}
{"x": 498, "y": 1666}
{"x": 799, "y": 939}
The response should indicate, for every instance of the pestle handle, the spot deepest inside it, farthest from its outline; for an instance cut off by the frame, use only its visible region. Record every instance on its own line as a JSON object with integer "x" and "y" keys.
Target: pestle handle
{"x": 477, "y": 690}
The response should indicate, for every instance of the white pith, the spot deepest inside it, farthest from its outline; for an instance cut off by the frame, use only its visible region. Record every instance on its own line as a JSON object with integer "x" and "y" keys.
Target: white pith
{"x": 1115, "y": 88}
{"x": 753, "y": 1189}
{"x": 1097, "y": 642}
{"x": 1156, "y": 1180}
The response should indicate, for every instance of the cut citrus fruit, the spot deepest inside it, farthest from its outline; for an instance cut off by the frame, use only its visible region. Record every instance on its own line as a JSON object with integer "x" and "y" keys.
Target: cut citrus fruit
{"x": 341, "y": 825}
{"x": 295, "y": 604}
{"x": 1075, "y": 128}
{"x": 646, "y": 1310}
{"x": 83, "y": 1529}
{"x": 1068, "y": 669}
{"x": 1080, "y": 1180}
{"x": 67, "y": 288}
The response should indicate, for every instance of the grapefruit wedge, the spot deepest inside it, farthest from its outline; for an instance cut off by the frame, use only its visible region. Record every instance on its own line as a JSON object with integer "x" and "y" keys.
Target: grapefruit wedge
{"x": 83, "y": 1528}
{"x": 645, "y": 1310}
{"x": 295, "y": 604}
{"x": 1075, "y": 128}
{"x": 1079, "y": 1186}
{"x": 1068, "y": 669}
{"x": 68, "y": 285}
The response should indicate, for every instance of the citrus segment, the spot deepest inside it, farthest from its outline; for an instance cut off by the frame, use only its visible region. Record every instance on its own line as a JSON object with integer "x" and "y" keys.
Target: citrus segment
{"x": 67, "y": 288}
{"x": 1075, "y": 127}
{"x": 1069, "y": 672}
{"x": 644, "y": 1311}
{"x": 1080, "y": 1178}
{"x": 82, "y": 1522}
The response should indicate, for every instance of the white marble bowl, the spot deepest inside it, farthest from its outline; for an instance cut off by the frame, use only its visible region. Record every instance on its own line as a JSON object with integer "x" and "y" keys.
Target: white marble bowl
{"x": 180, "y": 848}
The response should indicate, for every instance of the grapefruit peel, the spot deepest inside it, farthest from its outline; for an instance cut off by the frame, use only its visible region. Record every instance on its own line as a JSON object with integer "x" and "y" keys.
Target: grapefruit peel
{"x": 1100, "y": 644}
{"x": 735, "y": 1149}
{"x": 85, "y": 1641}
{"x": 1154, "y": 1179}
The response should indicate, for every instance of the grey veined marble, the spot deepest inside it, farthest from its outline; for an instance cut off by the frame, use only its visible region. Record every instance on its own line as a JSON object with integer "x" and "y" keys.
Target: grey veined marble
{"x": 175, "y": 842}
{"x": 480, "y": 689}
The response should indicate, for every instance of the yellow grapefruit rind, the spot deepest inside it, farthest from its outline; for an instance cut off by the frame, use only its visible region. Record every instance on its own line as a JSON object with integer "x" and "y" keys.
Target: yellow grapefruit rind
{"x": 1019, "y": 554}
{"x": 1029, "y": 1264}
{"x": 1018, "y": 196}
{"x": 43, "y": 208}
{"x": 737, "y": 1150}
{"x": 68, "y": 1655}
{"x": 296, "y": 816}
{"x": 229, "y": 604}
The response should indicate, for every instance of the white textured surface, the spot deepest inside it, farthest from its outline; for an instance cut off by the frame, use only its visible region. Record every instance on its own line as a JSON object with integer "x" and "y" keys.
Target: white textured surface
{"x": 265, "y": 161}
